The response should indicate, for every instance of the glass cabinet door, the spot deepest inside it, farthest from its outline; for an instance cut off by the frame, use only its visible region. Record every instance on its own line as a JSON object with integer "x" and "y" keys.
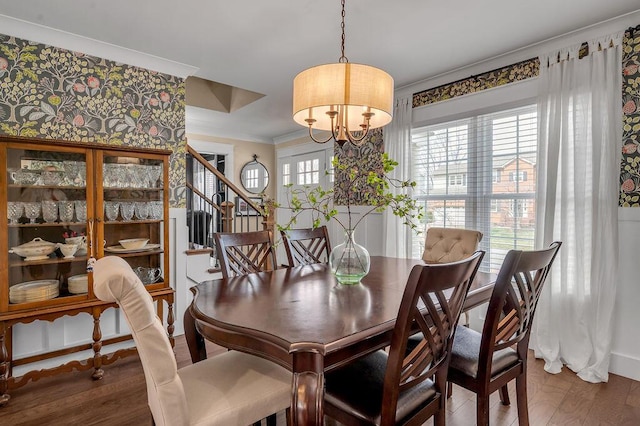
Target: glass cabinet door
{"x": 48, "y": 208}
{"x": 132, "y": 222}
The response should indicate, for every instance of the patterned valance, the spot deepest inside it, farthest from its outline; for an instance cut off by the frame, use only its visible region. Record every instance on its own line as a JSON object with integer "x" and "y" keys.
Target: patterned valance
{"x": 476, "y": 83}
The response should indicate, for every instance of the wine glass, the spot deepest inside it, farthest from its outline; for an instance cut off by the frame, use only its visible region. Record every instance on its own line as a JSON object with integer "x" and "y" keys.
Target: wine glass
{"x": 49, "y": 211}
{"x": 126, "y": 210}
{"x": 154, "y": 174}
{"x": 32, "y": 211}
{"x": 111, "y": 209}
{"x": 81, "y": 210}
{"x": 65, "y": 209}
{"x": 142, "y": 209}
{"x": 14, "y": 211}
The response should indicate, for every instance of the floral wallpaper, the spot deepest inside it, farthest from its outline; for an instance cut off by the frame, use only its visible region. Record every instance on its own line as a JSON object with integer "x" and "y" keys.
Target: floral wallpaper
{"x": 52, "y": 93}
{"x": 630, "y": 165}
{"x": 505, "y": 75}
{"x": 366, "y": 156}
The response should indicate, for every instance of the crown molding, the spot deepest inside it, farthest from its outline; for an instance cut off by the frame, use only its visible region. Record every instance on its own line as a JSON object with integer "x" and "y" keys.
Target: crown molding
{"x": 65, "y": 40}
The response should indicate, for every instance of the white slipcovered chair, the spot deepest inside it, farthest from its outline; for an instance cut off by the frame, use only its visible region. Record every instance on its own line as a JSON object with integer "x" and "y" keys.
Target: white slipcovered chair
{"x": 233, "y": 388}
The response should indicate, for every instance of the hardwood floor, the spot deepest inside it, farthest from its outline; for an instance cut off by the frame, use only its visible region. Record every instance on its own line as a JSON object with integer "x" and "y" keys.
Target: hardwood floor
{"x": 120, "y": 399}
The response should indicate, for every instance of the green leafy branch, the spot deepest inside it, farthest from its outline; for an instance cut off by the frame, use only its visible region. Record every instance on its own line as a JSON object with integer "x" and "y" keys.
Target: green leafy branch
{"x": 378, "y": 189}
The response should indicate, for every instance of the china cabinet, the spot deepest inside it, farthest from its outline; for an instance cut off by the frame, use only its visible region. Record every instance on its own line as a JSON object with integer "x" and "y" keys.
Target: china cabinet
{"x": 66, "y": 205}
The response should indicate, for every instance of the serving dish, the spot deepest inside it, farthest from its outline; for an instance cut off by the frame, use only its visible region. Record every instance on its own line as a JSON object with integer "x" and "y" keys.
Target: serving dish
{"x": 36, "y": 249}
{"x": 134, "y": 243}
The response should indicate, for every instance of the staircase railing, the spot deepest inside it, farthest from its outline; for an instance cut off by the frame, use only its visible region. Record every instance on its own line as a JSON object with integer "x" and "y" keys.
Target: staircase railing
{"x": 215, "y": 204}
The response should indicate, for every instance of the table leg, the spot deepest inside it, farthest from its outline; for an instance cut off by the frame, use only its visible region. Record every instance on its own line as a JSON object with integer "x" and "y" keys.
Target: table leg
{"x": 195, "y": 341}
{"x": 307, "y": 398}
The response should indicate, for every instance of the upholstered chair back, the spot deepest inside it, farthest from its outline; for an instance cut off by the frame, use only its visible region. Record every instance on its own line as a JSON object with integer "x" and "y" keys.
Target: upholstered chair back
{"x": 115, "y": 281}
{"x": 444, "y": 245}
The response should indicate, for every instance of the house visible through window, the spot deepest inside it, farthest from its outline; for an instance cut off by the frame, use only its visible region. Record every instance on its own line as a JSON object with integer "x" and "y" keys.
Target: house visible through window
{"x": 479, "y": 173}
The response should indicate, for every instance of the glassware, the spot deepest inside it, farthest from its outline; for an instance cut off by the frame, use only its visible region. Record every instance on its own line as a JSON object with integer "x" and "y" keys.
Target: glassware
{"x": 49, "y": 211}
{"x": 24, "y": 177}
{"x": 111, "y": 209}
{"x": 126, "y": 210}
{"x": 65, "y": 210}
{"x": 81, "y": 210}
{"x": 142, "y": 209}
{"x": 81, "y": 242}
{"x": 82, "y": 173}
{"x": 155, "y": 209}
{"x": 148, "y": 275}
{"x": 51, "y": 178}
{"x": 349, "y": 261}
{"x": 71, "y": 171}
{"x": 32, "y": 211}
{"x": 15, "y": 210}
{"x": 154, "y": 174}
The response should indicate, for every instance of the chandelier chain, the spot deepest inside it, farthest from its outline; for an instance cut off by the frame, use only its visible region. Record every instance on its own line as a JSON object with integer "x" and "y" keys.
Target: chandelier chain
{"x": 343, "y": 58}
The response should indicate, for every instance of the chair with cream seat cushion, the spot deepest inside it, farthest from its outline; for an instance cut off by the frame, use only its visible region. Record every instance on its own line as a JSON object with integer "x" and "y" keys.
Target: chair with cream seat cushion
{"x": 443, "y": 245}
{"x": 232, "y": 388}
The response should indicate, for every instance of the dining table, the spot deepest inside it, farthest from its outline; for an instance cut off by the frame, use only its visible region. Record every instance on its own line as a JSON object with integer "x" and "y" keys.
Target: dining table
{"x": 304, "y": 320}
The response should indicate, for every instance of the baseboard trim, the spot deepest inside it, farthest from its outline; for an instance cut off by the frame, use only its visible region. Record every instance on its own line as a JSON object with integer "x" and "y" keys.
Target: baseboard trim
{"x": 625, "y": 365}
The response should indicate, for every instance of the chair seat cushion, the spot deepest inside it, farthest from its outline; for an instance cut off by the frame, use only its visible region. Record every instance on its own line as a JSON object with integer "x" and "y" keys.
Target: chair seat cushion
{"x": 357, "y": 388}
{"x": 234, "y": 388}
{"x": 466, "y": 350}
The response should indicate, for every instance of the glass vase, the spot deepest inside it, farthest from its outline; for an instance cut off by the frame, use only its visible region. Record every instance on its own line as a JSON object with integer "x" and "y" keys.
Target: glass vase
{"x": 349, "y": 261}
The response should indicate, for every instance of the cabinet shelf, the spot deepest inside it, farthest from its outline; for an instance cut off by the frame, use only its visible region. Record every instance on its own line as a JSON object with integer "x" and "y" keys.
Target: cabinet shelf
{"x": 132, "y": 222}
{"x": 50, "y": 261}
{"x": 66, "y": 188}
{"x": 46, "y": 224}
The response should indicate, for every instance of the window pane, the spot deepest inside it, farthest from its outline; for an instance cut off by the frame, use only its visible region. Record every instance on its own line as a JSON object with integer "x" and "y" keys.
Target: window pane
{"x": 479, "y": 173}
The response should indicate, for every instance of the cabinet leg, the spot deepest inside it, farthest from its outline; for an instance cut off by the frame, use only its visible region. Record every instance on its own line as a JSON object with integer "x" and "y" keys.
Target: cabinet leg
{"x": 97, "y": 346}
{"x": 170, "y": 321}
{"x": 4, "y": 366}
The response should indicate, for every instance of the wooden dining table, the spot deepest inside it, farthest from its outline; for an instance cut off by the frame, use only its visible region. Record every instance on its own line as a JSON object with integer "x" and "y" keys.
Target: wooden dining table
{"x": 302, "y": 319}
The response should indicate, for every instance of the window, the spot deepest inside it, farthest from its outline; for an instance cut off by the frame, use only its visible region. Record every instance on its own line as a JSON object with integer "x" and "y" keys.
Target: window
{"x": 458, "y": 167}
{"x": 286, "y": 174}
{"x": 251, "y": 178}
{"x": 517, "y": 176}
{"x": 457, "y": 180}
{"x": 309, "y": 172}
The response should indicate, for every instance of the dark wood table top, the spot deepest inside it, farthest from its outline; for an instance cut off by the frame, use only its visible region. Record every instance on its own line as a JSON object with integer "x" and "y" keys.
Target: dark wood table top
{"x": 306, "y": 304}
{"x": 304, "y": 320}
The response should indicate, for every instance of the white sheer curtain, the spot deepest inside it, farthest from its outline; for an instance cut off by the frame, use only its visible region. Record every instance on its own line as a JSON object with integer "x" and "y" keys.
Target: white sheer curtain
{"x": 397, "y": 143}
{"x": 580, "y": 132}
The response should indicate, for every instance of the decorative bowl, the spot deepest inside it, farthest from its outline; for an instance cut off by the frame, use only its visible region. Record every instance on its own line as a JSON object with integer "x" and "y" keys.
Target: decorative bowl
{"x": 36, "y": 249}
{"x": 68, "y": 250}
{"x": 81, "y": 241}
{"x": 134, "y": 243}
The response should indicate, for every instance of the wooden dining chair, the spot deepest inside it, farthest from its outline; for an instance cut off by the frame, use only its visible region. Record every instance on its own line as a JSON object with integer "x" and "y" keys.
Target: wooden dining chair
{"x": 242, "y": 253}
{"x": 486, "y": 362}
{"x": 306, "y": 246}
{"x": 232, "y": 388}
{"x": 400, "y": 388}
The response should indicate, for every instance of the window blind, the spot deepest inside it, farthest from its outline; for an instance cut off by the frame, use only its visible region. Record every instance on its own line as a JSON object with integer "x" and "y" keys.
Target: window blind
{"x": 479, "y": 173}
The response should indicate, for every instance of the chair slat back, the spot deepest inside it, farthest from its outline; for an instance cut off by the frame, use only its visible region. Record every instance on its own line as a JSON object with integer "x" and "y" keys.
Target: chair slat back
{"x": 513, "y": 302}
{"x": 242, "y": 253}
{"x": 432, "y": 302}
{"x": 306, "y": 246}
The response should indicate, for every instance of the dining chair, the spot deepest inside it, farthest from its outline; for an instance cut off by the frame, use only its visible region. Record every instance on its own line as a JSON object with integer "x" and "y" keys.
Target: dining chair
{"x": 242, "y": 253}
{"x": 486, "y": 362}
{"x": 306, "y": 246}
{"x": 232, "y": 388}
{"x": 444, "y": 245}
{"x": 407, "y": 388}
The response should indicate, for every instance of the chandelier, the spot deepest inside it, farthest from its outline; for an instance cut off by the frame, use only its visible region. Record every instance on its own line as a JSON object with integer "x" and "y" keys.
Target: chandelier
{"x": 343, "y": 98}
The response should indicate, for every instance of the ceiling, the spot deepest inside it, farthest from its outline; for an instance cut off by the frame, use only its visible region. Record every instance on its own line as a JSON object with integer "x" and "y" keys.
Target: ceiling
{"x": 261, "y": 45}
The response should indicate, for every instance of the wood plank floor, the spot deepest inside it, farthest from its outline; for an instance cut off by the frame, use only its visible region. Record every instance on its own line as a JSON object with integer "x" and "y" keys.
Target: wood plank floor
{"x": 120, "y": 399}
